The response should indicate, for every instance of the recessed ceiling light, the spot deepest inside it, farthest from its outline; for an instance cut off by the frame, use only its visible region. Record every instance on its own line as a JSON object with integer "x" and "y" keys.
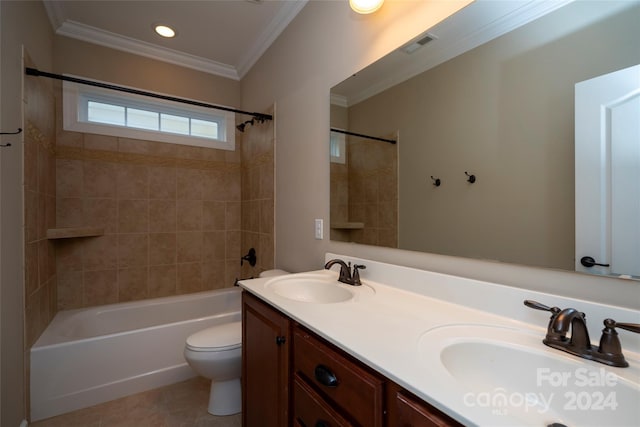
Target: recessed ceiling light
{"x": 164, "y": 31}
{"x": 365, "y": 6}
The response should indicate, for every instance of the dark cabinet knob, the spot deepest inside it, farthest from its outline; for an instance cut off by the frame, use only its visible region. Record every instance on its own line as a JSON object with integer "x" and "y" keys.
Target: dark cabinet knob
{"x": 325, "y": 376}
{"x": 321, "y": 423}
{"x": 281, "y": 339}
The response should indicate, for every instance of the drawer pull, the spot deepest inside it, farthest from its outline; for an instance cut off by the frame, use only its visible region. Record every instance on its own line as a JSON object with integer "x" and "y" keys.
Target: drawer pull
{"x": 321, "y": 423}
{"x": 325, "y": 376}
{"x": 280, "y": 340}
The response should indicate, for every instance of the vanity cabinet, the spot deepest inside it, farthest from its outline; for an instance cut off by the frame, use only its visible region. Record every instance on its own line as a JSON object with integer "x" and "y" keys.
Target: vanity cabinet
{"x": 291, "y": 376}
{"x": 266, "y": 342}
{"x": 356, "y": 392}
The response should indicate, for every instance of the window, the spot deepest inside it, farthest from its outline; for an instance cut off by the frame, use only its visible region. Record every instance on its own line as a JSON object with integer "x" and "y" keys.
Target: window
{"x": 108, "y": 112}
{"x": 337, "y": 148}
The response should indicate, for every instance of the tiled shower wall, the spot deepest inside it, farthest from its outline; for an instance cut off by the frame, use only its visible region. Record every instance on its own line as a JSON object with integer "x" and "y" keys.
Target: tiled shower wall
{"x": 172, "y": 216}
{"x": 258, "y": 145}
{"x": 39, "y": 207}
{"x": 373, "y": 191}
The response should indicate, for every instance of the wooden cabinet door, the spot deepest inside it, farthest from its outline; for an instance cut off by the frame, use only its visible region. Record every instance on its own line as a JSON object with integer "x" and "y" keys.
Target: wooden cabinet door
{"x": 265, "y": 364}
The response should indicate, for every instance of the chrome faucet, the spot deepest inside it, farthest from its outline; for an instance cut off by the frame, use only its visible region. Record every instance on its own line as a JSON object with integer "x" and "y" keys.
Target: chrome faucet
{"x": 561, "y": 322}
{"x": 345, "y": 272}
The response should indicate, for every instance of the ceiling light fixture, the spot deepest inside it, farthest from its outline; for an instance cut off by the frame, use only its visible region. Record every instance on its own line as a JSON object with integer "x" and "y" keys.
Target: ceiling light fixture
{"x": 164, "y": 31}
{"x": 365, "y": 6}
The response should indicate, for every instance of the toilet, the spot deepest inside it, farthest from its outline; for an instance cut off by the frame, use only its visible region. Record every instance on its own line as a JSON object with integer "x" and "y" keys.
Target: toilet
{"x": 216, "y": 353}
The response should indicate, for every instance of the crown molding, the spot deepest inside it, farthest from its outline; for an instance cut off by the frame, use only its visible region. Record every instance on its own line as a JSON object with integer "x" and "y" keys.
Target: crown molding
{"x": 289, "y": 11}
{"x": 94, "y": 35}
{"x": 441, "y": 52}
{"x": 90, "y": 34}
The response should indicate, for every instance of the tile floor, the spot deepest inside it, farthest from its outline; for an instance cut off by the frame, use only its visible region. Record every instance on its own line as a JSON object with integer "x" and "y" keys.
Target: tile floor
{"x": 178, "y": 405}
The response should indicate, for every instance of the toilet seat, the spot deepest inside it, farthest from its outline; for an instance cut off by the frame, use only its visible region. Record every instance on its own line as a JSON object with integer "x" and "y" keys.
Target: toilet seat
{"x": 223, "y": 337}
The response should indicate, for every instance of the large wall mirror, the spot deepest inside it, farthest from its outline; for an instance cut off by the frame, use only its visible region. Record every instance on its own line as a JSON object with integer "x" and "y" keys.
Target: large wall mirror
{"x": 489, "y": 92}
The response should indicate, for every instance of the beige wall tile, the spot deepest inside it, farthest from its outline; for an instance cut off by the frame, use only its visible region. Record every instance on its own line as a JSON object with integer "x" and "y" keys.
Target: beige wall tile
{"x": 162, "y": 280}
{"x": 133, "y": 216}
{"x": 233, "y": 216}
{"x": 189, "y": 278}
{"x": 189, "y": 215}
{"x": 133, "y": 181}
{"x": 100, "y": 287}
{"x": 162, "y": 182}
{"x": 70, "y": 290}
{"x": 102, "y": 213}
{"x": 132, "y": 284}
{"x": 100, "y": 253}
{"x": 100, "y": 179}
{"x": 162, "y": 216}
{"x": 233, "y": 249}
{"x": 214, "y": 185}
{"x": 162, "y": 248}
{"x": 213, "y": 215}
{"x": 189, "y": 246}
{"x": 213, "y": 275}
{"x": 31, "y": 216}
{"x": 31, "y": 268}
{"x": 266, "y": 216}
{"x": 132, "y": 250}
{"x": 69, "y": 178}
{"x": 213, "y": 246}
{"x": 69, "y": 255}
{"x": 100, "y": 142}
{"x": 69, "y": 212}
{"x": 189, "y": 184}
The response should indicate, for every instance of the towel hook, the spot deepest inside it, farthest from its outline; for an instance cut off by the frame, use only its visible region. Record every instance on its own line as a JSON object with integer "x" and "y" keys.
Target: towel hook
{"x": 471, "y": 179}
{"x": 436, "y": 181}
{"x": 9, "y": 133}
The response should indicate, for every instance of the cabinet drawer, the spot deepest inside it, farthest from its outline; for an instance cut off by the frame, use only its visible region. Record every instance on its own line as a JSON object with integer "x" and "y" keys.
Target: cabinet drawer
{"x": 345, "y": 384}
{"x": 412, "y": 412}
{"x": 309, "y": 410}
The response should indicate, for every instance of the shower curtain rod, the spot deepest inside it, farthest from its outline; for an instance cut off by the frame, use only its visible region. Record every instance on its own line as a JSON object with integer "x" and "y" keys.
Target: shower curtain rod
{"x": 35, "y": 72}
{"x": 361, "y": 135}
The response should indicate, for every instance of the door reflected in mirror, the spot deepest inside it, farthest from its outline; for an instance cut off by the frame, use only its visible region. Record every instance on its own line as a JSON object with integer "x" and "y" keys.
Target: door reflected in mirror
{"x": 501, "y": 109}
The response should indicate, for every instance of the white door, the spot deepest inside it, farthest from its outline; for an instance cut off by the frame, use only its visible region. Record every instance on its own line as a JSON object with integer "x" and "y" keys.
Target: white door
{"x": 607, "y": 173}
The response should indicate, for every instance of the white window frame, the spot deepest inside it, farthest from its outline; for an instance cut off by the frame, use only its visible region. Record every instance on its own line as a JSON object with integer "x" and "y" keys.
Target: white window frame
{"x": 338, "y": 139}
{"x": 75, "y": 101}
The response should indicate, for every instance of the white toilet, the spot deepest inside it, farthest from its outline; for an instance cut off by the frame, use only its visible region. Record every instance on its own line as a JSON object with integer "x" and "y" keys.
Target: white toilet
{"x": 216, "y": 353}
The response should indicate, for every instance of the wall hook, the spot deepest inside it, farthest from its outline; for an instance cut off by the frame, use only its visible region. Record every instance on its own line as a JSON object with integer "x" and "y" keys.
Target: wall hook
{"x": 9, "y": 133}
{"x": 471, "y": 179}
{"x": 436, "y": 181}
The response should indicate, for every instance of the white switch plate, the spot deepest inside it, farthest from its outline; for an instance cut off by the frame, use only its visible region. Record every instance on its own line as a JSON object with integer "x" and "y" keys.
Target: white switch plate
{"x": 319, "y": 229}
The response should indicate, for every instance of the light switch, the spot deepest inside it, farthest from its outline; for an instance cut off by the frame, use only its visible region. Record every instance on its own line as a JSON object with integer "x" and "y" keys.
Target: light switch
{"x": 319, "y": 229}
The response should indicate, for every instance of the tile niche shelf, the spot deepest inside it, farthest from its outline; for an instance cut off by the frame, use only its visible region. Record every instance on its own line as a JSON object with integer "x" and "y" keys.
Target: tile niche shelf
{"x": 71, "y": 232}
{"x": 347, "y": 225}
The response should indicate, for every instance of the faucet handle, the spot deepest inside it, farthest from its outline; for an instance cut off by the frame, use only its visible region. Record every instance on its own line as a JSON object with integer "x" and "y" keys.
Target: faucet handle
{"x": 355, "y": 277}
{"x": 538, "y": 306}
{"x": 633, "y": 327}
{"x": 610, "y": 343}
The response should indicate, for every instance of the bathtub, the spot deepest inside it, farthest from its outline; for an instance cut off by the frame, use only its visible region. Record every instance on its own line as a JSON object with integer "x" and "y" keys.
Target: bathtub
{"x": 89, "y": 356}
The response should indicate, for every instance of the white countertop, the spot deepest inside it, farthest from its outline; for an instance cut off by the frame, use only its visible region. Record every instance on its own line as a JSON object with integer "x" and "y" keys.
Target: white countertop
{"x": 399, "y": 331}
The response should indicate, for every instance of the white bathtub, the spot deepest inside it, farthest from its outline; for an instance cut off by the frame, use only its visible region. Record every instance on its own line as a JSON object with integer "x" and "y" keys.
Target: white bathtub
{"x": 89, "y": 356}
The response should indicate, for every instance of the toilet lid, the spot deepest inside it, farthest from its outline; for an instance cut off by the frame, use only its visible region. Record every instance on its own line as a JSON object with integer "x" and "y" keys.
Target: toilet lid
{"x": 227, "y": 336}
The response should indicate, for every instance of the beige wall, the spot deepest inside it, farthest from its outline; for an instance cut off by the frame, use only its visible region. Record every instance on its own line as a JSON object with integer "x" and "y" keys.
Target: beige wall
{"x": 504, "y": 112}
{"x": 101, "y": 63}
{"x": 322, "y": 46}
{"x": 23, "y": 23}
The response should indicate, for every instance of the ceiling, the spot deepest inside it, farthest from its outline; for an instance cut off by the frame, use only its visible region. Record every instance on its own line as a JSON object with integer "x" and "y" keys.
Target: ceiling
{"x": 222, "y": 37}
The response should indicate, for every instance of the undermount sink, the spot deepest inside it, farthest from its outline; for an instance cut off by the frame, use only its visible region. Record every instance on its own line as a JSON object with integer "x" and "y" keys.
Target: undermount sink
{"x": 316, "y": 288}
{"x": 510, "y": 372}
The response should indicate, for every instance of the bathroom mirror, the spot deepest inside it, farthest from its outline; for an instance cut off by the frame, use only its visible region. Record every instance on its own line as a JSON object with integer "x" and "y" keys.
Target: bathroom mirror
{"x": 497, "y": 102}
